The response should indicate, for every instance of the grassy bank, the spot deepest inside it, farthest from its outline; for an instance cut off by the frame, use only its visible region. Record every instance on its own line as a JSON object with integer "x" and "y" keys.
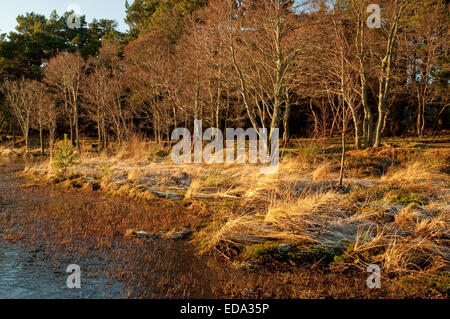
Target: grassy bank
{"x": 393, "y": 209}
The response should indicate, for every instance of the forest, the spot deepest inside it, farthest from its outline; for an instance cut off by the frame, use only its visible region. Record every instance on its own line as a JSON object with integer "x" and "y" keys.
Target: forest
{"x": 302, "y": 66}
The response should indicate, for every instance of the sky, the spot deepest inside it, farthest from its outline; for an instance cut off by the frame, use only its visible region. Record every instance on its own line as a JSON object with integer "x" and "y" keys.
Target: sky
{"x": 107, "y": 9}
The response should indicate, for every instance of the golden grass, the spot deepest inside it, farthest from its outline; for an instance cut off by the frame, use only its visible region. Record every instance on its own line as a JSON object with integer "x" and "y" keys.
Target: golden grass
{"x": 413, "y": 172}
{"x": 247, "y": 230}
{"x": 407, "y": 217}
{"x": 135, "y": 174}
{"x": 406, "y": 254}
{"x": 322, "y": 172}
{"x": 436, "y": 227}
{"x": 309, "y": 210}
{"x": 295, "y": 204}
{"x": 136, "y": 148}
{"x": 418, "y": 171}
{"x": 193, "y": 189}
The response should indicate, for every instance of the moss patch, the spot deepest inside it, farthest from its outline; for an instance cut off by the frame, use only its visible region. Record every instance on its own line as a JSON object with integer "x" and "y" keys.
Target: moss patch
{"x": 162, "y": 153}
{"x": 259, "y": 252}
{"x": 405, "y": 197}
{"x": 349, "y": 255}
{"x": 413, "y": 286}
{"x": 216, "y": 178}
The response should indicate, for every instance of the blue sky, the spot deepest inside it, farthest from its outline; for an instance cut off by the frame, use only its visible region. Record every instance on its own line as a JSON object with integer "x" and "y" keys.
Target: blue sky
{"x": 108, "y": 9}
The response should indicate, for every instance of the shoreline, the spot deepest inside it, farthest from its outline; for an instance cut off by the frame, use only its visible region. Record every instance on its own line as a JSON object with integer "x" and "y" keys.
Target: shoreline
{"x": 223, "y": 206}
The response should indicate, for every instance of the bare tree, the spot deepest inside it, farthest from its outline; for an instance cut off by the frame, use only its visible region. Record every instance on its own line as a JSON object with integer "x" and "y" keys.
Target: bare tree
{"x": 20, "y": 98}
{"x": 116, "y": 111}
{"x": 44, "y": 113}
{"x": 426, "y": 39}
{"x": 65, "y": 72}
{"x": 265, "y": 40}
{"x": 395, "y": 11}
{"x": 95, "y": 93}
{"x": 340, "y": 75}
{"x": 148, "y": 66}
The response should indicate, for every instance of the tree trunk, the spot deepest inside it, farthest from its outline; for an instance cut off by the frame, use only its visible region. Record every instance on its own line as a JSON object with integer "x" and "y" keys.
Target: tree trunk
{"x": 344, "y": 130}
{"x": 103, "y": 133}
{"x": 99, "y": 138}
{"x": 77, "y": 129}
{"x": 356, "y": 123}
{"x": 341, "y": 172}
{"x": 51, "y": 139}
{"x": 119, "y": 135}
{"x": 219, "y": 92}
{"x": 368, "y": 116}
{"x": 382, "y": 105}
{"x": 287, "y": 114}
{"x": 25, "y": 136}
{"x": 316, "y": 120}
{"x": 197, "y": 102}
{"x": 358, "y": 137}
{"x": 244, "y": 91}
{"x": 380, "y": 121}
{"x": 276, "y": 119}
{"x": 383, "y": 93}
{"x": 41, "y": 138}
{"x": 367, "y": 126}
{"x": 422, "y": 110}
{"x": 71, "y": 130}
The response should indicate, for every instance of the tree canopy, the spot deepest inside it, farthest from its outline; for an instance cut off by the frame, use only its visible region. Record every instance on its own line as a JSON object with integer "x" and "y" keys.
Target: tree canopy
{"x": 306, "y": 67}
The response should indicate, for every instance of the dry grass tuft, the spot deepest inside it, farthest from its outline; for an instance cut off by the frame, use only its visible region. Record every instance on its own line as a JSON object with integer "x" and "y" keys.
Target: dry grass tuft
{"x": 135, "y": 174}
{"x": 309, "y": 210}
{"x": 247, "y": 230}
{"x": 193, "y": 189}
{"x": 418, "y": 254}
{"x": 437, "y": 227}
{"x": 322, "y": 172}
{"x": 288, "y": 220}
{"x": 407, "y": 217}
{"x": 414, "y": 172}
{"x": 135, "y": 148}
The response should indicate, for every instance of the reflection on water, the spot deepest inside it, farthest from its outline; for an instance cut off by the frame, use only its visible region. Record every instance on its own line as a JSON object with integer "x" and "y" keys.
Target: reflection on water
{"x": 31, "y": 272}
